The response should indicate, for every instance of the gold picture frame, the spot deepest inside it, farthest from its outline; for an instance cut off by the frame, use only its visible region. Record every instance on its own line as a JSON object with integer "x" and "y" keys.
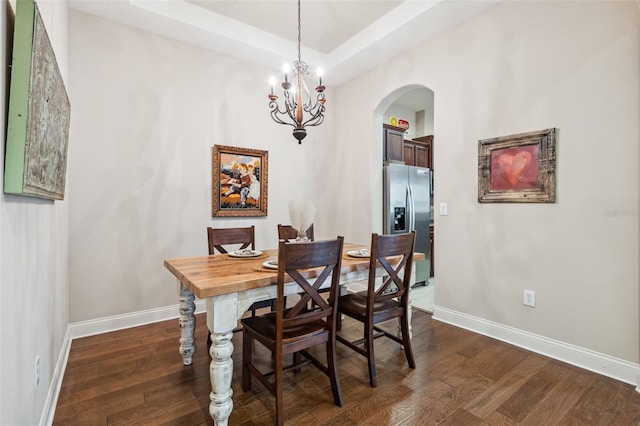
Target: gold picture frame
{"x": 518, "y": 168}
{"x": 240, "y": 181}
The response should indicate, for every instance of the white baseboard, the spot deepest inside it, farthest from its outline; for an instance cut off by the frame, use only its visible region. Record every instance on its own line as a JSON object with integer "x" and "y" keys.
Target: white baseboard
{"x": 619, "y": 369}
{"x": 51, "y": 402}
{"x": 99, "y": 326}
{"x": 134, "y": 319}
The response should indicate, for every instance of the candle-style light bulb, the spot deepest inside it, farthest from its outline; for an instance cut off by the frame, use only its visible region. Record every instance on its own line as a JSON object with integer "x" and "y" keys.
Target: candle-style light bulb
{"x": 320, "y": 72}
{"x": 272, "y": 83}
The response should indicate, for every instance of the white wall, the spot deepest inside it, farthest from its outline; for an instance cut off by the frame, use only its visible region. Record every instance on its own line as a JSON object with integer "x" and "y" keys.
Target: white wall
{"x": 149, "y": 110}
{"x": 518, "y": 67}
{"x": 33, "y": 267}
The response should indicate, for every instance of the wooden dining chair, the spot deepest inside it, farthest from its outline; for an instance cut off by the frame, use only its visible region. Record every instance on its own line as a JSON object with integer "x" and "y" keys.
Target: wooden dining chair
{"x": 221, "y": 238}
{"x": 388, "y": 301}
{"x": 293, "y": 330}
{"x": 288, "y": 232}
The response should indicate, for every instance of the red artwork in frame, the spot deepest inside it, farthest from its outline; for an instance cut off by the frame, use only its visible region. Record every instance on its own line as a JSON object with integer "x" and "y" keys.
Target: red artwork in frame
{"x": 518, "y": 168}
{"x": 515, "y": 168}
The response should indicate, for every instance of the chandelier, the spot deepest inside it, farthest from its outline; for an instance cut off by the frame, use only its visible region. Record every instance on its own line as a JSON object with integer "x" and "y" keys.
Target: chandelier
{"x": 300, "y": 109}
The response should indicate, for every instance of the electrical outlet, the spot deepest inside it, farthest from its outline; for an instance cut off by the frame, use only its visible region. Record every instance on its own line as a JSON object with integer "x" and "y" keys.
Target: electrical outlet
{"x": 444, "y": 209}
{"x": 37, "y": 372}
{"x": 530, "y": 298}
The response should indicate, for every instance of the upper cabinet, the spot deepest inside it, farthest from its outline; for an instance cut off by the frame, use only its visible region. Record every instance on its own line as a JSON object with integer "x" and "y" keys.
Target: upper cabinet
{"x": 393, "y": 138}
{"x": 414, "y": 152}
{"x": 422, "y": 151}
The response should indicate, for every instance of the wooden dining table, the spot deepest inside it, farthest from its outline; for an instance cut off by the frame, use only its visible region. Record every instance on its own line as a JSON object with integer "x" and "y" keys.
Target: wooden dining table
{"x": 230, "y": 285}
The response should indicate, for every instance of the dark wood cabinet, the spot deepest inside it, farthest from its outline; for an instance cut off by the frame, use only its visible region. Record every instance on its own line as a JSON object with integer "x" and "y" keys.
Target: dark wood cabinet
{"x": 414, "y": 152}
{"x": 423, "y": 151}
{"x": 417, "y": 154}
{"x": 393, "y": 138}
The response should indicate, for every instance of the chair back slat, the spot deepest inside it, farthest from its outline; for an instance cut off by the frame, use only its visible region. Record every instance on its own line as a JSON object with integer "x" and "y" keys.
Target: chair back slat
{"x": 288, "y": 232}
{"x": 395, "y": 254}
{"x": 311, "y": 292}
{"x": 221, "y": 237}
{"x": 310, "y": 265}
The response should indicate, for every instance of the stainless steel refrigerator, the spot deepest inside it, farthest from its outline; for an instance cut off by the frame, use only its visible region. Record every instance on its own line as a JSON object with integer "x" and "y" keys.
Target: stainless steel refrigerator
{"x": 407, "y": 204}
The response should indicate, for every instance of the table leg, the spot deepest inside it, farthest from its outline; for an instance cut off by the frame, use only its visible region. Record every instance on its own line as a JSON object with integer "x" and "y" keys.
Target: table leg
{"x": 187, "y": 323}
{"x": 221, "y": 370}
{"x": 222, "y": 318}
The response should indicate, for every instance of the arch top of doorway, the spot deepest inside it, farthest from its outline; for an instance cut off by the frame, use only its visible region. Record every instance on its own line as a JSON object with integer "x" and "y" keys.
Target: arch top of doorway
{"x": 399, "y": 93}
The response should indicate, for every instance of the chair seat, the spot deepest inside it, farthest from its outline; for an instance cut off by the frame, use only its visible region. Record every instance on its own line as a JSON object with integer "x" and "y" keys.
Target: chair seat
{"x": 262, "y": 304}
{"x": 265, "y": 325}
{"x": 355, "y": 305}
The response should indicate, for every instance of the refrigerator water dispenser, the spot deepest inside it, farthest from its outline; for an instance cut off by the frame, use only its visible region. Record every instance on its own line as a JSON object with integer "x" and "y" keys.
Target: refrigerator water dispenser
{"x": 398, "y": 221}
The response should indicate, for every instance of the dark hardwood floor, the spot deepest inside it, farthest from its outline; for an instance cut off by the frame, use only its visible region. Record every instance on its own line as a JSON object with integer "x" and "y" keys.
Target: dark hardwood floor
{"x": 136, "y": 377}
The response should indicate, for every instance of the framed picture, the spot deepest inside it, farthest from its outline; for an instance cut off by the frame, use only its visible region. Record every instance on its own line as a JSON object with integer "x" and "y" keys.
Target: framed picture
{"x": 240, "y": 178}
{"x": 39, "y": 112}
{"x": 518, "y": 168}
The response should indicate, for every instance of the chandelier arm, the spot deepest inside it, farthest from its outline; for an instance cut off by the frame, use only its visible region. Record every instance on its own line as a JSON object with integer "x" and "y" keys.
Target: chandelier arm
{"x": 275, "y": 110}
{"x": 312, "y": 105}
{"x": 279, "y": 121}
{"x": 290, "y": 107}
{"x": 312, "y": 108}
{"x": 315, "y": 119}
{"x": 288, "y": 102}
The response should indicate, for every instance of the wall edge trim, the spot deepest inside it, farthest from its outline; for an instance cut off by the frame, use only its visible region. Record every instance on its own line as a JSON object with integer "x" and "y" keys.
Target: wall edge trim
{"x": 49, "y": 409}
{"x": 606, "y": 365}
{"x": 133, "y": 319}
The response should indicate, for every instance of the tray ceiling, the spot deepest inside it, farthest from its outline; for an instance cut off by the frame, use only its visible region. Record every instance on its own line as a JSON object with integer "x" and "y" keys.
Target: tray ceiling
{"x": 345, "y": 38}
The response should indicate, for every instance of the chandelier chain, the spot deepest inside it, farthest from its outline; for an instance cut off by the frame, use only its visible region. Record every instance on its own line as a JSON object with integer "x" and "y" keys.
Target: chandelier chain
{"x": 299, "y": 33}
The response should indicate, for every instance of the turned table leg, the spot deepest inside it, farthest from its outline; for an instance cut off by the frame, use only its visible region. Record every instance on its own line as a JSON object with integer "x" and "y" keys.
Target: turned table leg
{"x": 221, "y": 370}
{"x": 187, "y": 323}
{"x": 222, "y": 318}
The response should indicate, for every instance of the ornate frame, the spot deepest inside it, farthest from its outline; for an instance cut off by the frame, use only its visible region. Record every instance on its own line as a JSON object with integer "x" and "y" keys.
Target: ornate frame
{"x": 240, "y": 181}
{"x": 39, "y": 112}
{"x": 519, "y": 168}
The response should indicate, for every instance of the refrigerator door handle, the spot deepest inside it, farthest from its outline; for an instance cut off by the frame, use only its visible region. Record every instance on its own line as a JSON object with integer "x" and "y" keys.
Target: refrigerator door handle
{"x": 411, "y": 207}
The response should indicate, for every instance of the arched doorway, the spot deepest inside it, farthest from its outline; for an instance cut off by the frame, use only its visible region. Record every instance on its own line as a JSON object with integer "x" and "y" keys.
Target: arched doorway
{"x": 413, "y": 105}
